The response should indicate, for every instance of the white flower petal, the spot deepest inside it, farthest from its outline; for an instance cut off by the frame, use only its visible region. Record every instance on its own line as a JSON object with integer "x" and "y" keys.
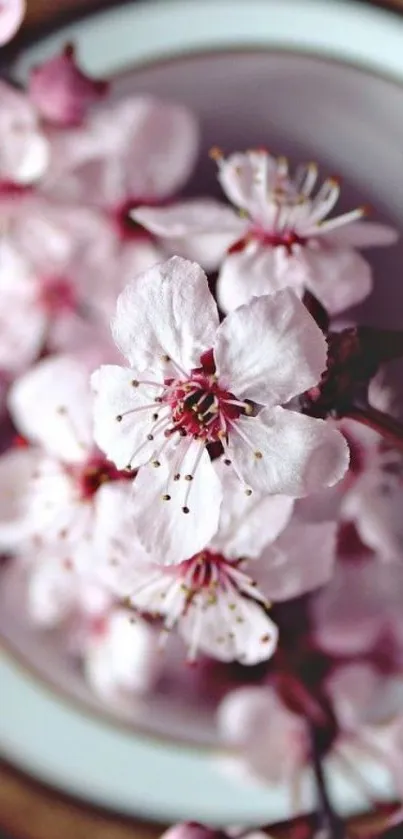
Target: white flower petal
{"x": 123, "y": 657}
{"x": 244, "y": 634}
{"x": 270, "y": 350}
{"x": 338, "y": 277}
{"x": 247, "y": 523}
{"x": 11, "y": 16}
{"x": 280, "y": 451}
{"x": 51, "y": 405}
{"x": 120, "y": 425}
{"x": 302, "y": 559}
{"x": 166, "y": 312}
{"x": 169, "y": 534}
{"x": 375, "y": 504}
{"x": 363, "y": 234}
{"x": 254, "y": 271}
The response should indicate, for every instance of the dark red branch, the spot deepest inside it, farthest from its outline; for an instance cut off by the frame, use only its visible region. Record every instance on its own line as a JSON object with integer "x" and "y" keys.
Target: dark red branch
{"x": 389, "y": 428}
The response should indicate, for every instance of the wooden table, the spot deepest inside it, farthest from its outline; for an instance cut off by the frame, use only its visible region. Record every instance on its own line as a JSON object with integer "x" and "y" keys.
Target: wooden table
{"x": 29, "y": 810}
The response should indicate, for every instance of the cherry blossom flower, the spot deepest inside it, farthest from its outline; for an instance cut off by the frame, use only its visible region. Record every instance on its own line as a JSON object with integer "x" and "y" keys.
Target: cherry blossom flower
{"x": 134, "y": 150}
{"x": 281, "y": 237}
{"x": 121, "y": 656}
{"x": 272, "y": 741}
{"x": 60, "y": 498}
{"x": 218, "y": 598}
{"x": 11, "y": 16}
{"x": 192, "y": 383}
{"x": 25, "y": 150}
{"x": 359, "y": 611}
{"x": 61, "y": 269}
{"x": 61, "y": 92}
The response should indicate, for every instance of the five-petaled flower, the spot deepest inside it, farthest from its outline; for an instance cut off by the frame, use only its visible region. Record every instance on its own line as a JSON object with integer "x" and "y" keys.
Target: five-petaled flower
{"x": 280, "y": 236}
{"x": 193, "y": 383}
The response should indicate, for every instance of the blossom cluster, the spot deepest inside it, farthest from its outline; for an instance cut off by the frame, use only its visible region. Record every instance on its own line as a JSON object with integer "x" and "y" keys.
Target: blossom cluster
{"x": 163, "y": 472}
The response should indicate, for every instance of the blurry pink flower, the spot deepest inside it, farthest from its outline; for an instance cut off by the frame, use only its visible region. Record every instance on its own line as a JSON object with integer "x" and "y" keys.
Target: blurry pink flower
{"x": 121, "y": 656}
{"x": 60, "y": 498}
{"x": 282, "y": 237}
{"x": 360, "y": 609}
{"x": 193, "y": 382}
{"x": 60, "y": 91}
{"x": 375, "y": 502}
{"x": 24, "y": 150}
{"x": 11, "y": 16}
{"x": 362, "y": 695}
{"x": 272, "y": 742}
{"x": 134, "y": 150}
{"x": 194, "y": 830}
{"x": 61, "y": 270}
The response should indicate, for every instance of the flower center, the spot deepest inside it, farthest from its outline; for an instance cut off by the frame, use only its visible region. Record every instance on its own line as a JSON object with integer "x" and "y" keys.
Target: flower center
{"x": 96, "y": 472}
{"x": 56, "y": 295}
{"x": 201, "y": 408}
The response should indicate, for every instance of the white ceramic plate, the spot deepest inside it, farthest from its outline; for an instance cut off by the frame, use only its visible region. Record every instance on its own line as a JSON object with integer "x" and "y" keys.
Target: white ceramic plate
{"x": 350, "y": 119}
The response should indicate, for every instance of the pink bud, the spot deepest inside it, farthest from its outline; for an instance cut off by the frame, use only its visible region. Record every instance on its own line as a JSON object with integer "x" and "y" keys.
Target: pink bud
{"x": 60, "y": 90}
{"x": 192, "y": 830}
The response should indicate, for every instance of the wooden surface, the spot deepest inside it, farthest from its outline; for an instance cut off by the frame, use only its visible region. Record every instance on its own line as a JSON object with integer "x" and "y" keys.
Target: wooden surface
{"x": 29, "y": 810}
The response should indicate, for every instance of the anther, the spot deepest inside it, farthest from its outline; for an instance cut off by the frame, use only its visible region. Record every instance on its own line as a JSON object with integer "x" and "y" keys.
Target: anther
{"x": 155, "y": 463}
{"x": 185, "y": 510}
{"x": 154, "y": 417}
{"x": 165, "y": 358}
{"x": 248, "y": 409}
{"x": 227, "y": 461}
{"x": 119, "y": 418}
{"x": 150, "y": 437}
{"x": 177, "y": 476}
{"x": 188, "y": 477}
{"x": 135, "y": 383}
{"x": 248, "y": 492}
{"x": 258, "y": 455}
{"x": 265, "y": 638}
{"x": 215, "y": 153}
{"x": 166, "y": 497}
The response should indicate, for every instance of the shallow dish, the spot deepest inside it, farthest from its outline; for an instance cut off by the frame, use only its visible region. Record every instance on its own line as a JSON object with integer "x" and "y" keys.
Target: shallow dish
{"x": 311, "y": 79}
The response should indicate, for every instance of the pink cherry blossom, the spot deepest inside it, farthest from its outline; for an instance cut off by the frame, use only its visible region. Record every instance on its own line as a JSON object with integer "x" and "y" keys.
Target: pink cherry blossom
{"x": 272, "y": 742}
{"x": 359, "y": 611}
{"x": 193, "y": 382}
{"x": 61, "y": 92}
{"x": 121, "y": 656}
{"x": 25, "y": 150}
{"x": 282, "y": 236}
{"x": 218, "y": 599}
{"x": 194, "y": 830}
{"x": 133, "y": 150}
{"x": 11, "y": 16}
{"x": 61, "y": 270}
{"x": 60, "y": 499}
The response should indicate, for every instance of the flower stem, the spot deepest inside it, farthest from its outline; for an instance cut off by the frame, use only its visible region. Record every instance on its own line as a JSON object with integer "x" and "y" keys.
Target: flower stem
{"x": 329, "y": 825}
{"x": 388, "y": 427}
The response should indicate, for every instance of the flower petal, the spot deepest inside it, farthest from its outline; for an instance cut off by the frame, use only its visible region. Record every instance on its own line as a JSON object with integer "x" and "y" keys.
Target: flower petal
{"x": 169, "y": 534}
{"x": 201, "y": 229}
{"x": 338, "y": 277}
{"x": 248, "y": 523}
{"x": 280, "y": 451}
{"x": 121, "y": 426}
{"x": 123, "y": 657}
{"x": 24, "y": 153}
{"x": 375, "y": 505}
{"x": 248, "y": 180}
{"x": 11, "y": 16}
{"x": 244, "y": 634}
{"x": 363, "y": 234}
{"x": 51, "y": 406}
{"x": 255, "y": 271}
{"x": 270, "y": 350}
{"x": 302, "y": 559}
{"x": 167, "y": 312}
